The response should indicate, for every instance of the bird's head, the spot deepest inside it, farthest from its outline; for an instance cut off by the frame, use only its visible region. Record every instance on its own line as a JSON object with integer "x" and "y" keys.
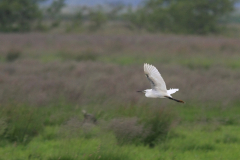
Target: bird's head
{"x": 83, "y": 111}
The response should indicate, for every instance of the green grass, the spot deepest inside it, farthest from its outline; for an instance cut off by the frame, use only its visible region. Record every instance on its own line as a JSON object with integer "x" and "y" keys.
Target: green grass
{"x": 191, "y": 61}
{"x": 219, "y": 144}
{"x": 208, "y": 111}
{"x": 195, "y": 137}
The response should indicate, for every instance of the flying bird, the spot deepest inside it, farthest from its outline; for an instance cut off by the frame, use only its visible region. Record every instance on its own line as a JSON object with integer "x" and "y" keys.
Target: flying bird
{"x": 159, "y": 89}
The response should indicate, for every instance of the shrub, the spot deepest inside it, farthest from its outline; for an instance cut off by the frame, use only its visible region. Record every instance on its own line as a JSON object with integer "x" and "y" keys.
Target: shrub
{"x": 71, "y": 128}
{"x": 76, "y": 21}
{"x": 18, "y": 15}
{"x": 12, "y": 55}
{"x": 126, "y": 130}
{"x": 3, "y": 126}
{"x": 181, "y": 16}
{"x": 22, "y": 123}
{"x": 54, "y": 12}
{"x": 97, "y": 19}
{"x": 149, "y": 131}
{"x": 157, "y": 127}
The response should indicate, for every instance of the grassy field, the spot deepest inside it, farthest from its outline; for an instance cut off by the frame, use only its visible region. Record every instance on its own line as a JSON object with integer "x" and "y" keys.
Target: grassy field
{"x": 46, "y": 81}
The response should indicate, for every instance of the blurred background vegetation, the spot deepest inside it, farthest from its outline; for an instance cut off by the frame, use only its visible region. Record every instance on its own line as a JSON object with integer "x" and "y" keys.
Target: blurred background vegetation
{"x": 57, "y": 60}
{"x": 170, "y": 16}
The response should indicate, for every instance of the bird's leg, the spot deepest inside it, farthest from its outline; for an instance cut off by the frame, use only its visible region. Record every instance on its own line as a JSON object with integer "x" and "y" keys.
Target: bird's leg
{"x": 180, "y": 101}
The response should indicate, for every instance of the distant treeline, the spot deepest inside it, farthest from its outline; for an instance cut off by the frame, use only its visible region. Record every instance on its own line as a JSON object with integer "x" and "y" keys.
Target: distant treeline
{"x": 174, "y": 16}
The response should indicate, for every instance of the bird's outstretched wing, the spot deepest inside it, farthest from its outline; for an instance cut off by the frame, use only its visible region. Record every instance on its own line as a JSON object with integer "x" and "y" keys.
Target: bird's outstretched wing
{"x": 155, "y": 78}
{"x": 172, "y": 90}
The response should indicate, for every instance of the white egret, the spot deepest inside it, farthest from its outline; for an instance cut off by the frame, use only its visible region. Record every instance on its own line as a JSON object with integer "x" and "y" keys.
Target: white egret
{"x": 159, "y": 89}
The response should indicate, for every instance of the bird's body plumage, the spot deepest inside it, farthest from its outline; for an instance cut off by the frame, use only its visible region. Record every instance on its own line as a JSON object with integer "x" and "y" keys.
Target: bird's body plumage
{"x": 159, "y": 89}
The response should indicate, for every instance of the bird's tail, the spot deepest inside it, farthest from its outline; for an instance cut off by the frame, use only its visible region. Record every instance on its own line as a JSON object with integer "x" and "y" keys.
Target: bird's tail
{"x": 172, "y": 90}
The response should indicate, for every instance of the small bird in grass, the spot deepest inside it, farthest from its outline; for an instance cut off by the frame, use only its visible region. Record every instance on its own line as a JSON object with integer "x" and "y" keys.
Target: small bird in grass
{"x": 159, "y": 89}
{"x": 89, "y": 117}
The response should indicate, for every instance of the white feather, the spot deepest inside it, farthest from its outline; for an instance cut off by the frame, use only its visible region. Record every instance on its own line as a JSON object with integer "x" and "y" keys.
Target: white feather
{"x": 172, "y": 90}
{"x": 155, "y": 78}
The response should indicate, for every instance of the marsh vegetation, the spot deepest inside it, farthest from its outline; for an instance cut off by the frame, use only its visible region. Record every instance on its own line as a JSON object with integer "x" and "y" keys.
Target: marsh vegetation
{"x": 46, "y": 81}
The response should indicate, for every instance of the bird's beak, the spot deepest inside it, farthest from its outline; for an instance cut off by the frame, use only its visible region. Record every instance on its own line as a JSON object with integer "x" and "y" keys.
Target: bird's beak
{"x": 140, "y": 91}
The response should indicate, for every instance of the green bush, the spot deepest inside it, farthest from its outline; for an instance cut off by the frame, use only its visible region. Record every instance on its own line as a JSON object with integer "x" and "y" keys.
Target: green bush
{"x": 21, "y": 123}
{"x": 157, "y": 127}
{"x": 18, "y": 15}
{"x": 180, "y": 16}
{"x": 97, "y": 19}
{"x": 136, "y": 18}
{"x": 3, "y": 126}
{"x": 151, "y": 130}
{"x": 54, "y": 12}
{"x": 127, "y": 130}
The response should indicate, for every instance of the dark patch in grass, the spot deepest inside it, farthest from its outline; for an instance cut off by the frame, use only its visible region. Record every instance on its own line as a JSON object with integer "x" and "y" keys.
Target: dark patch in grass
{"x": 109, "y": 156}
{"x": 229, "y": 121}
{"x": 202, "y": 147}
{"x": 61, "y": 158}
{"x": 206, "y": 147}
{"x": 211, "y": 128}
{"x": 3, "y": 143}
{"x": 228, "y": 139}
{"x": 165, "y": 146}
{"x": 33, "y": 156}
{"x": 13, "y": 55}
{"x": 173, "y": 134}
{"x": 86, "y": 57}
{"x": 193, "y": 66}
{"x": 83, "y": 56}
